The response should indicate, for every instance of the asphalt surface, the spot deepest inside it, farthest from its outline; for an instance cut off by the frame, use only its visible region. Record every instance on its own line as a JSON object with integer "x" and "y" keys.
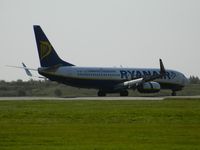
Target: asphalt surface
{"x": 100, "y": 98}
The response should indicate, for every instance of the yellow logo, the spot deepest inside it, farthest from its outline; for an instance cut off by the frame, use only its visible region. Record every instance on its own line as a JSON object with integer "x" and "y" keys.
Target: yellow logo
{"x": 45, "y": 49}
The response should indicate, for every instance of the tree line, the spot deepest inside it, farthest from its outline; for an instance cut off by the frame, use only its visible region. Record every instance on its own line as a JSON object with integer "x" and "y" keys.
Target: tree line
{"x": 194, "y": 80}
{"x": 49, "y": 88}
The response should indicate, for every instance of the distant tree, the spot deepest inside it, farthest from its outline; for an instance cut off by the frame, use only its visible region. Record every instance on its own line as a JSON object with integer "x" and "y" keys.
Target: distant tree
{"x": 194, "y": 80}
{"x": 21, "y": 93}
{"x": 3, "y": 88}
{"x": 2, "y": 81}
{"x": 47, "y": 83}
{"x": 58, "y": 92}
{"x": 19, "y": 81}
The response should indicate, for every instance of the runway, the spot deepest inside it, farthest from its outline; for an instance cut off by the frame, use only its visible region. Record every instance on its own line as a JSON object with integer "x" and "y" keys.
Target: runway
{"x": 99, "y": 98}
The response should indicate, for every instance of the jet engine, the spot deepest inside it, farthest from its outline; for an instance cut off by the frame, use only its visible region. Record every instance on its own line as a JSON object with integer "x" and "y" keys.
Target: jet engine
{"x": 149, "y": 87}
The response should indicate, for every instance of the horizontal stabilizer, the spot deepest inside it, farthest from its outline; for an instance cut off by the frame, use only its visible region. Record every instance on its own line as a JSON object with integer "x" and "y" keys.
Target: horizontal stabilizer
{"x": 22, "y": 67}
{"x": 27, "y": 70}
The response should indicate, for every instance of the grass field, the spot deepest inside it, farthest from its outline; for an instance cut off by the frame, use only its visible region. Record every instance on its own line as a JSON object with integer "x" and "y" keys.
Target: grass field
{"x": 100, "y": 125}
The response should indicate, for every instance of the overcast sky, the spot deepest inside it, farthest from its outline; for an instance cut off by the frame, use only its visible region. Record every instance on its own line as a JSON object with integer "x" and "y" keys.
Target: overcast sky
{"x": 131, "y": 33}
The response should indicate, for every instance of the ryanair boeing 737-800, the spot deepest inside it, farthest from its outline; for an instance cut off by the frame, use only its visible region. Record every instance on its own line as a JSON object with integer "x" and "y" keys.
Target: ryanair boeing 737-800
{"x": 106, "y": 80}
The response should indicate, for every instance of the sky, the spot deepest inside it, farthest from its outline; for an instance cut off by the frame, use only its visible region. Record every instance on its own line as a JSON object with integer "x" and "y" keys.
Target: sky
{"x": 106, "y": 33}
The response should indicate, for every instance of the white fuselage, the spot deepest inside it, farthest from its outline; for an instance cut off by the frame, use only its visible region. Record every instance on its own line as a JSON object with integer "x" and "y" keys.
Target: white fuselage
{"x": 114, "y": 75}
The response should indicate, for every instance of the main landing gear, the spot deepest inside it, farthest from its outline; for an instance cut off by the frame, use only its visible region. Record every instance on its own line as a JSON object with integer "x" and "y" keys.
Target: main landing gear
{"x": 173, "y": 93}
{"x": 102, "y": 93}
{"x": 124, "y": 93}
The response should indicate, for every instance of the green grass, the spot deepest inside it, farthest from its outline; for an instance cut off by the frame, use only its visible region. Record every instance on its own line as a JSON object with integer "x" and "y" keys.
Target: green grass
{"x": 100, "y": 125}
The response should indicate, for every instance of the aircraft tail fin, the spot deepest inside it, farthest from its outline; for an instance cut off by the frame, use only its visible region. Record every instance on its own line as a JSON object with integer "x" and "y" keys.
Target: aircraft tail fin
{"x": 47, "y": 54}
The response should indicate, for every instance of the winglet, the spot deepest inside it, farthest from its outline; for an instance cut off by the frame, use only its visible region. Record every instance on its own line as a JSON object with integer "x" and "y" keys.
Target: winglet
{"x": 162, "y": 68}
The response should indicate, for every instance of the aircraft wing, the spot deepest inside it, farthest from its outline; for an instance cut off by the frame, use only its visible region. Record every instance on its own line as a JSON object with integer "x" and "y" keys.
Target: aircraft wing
{"x": 153, "y": 77}
{"x": 139, "y": 81}
{"x": 132, "y": 83}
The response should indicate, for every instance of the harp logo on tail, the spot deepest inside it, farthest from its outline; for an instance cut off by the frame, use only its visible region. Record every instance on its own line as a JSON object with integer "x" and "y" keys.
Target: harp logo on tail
{"x": 45, "y": 49}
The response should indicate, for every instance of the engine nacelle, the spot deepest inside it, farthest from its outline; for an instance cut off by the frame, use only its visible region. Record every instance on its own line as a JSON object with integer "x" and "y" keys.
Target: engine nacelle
{"x": 149, "y": 87}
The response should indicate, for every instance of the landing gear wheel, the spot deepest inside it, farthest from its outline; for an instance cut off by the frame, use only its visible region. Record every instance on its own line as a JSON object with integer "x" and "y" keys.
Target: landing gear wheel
{"x": 124, "y": 93}
{"x": 101, "y": 93}
{"x": 173, "y": 93}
